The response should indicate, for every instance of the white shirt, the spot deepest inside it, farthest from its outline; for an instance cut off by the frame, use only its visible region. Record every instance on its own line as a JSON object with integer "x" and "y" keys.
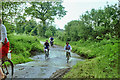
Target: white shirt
{"x": 3, "y": 33}
{"x": 67, "y": 46}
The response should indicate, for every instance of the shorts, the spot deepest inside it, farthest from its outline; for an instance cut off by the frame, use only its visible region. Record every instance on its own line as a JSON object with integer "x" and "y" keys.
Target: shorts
{"x": 4, "y": 50}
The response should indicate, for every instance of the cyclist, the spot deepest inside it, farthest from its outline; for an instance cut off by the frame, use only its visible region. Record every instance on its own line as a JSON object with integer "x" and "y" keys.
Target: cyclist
{"x": 51, "y": 40}
{"x": 67, "y": 47}
{"x": 4, "y": 46}
{"x": 46, "y": 45}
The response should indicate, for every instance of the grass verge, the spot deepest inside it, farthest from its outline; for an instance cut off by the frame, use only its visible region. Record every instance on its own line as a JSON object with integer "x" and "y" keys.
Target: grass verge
{"x": 23, "y": 46}
{"x": 101, "y": 59}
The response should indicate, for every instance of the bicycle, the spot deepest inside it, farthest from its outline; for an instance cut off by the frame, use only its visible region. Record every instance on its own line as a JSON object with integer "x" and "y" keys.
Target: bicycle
{"x": 68, "y": 55}
{"x": 46, "y": 53}
{"x": 7, "y": 67}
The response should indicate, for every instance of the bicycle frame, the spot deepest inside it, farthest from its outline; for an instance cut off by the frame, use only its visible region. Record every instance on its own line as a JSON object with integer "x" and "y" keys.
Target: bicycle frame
{"x": 9, "y": 54}
{"x": 46, "y": 53}
{"x": 67, "y": 55}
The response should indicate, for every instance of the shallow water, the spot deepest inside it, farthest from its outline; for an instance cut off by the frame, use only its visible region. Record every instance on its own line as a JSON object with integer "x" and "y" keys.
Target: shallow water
{"x": 41, "y": 68}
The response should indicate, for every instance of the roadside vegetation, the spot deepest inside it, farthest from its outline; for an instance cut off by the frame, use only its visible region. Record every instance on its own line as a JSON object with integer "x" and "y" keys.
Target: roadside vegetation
{"x": 101, "y": 59}
{"x": 95, "y": 36}
{"x": 23, "y": 47}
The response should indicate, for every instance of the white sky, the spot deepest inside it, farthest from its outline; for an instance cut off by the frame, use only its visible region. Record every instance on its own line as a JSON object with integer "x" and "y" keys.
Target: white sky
{"x": 75, "y": 8}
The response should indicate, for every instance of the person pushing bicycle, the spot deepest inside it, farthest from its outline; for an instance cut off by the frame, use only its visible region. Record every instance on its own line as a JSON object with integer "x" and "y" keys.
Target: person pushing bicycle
{"x": 4, "y": 46}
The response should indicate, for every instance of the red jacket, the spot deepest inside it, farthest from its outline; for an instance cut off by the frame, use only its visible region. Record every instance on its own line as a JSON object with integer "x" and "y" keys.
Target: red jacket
{"x": 4, "y": 49}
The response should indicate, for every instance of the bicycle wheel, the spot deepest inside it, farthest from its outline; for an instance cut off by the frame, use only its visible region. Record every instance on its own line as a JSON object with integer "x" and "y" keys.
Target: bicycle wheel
{"x": 45, "y": 54}
{"x": 67, "y": 55}
{"x": 8, "y": 68}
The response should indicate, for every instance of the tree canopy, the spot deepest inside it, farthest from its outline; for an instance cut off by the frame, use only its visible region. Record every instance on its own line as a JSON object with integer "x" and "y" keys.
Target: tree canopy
{"x": 46, "y": 12}
{"x": 16, "y": 14}
{"x": 95, "y": 25}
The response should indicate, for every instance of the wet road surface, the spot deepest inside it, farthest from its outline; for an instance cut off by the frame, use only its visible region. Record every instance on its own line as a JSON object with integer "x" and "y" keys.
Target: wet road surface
{"x": 41, "y": 68}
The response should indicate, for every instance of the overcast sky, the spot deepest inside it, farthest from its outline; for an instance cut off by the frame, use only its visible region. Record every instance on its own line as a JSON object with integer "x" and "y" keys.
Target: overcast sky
{"x": 75, "y": 8}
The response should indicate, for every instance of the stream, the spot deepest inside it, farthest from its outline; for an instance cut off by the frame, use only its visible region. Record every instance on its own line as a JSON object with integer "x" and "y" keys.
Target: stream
{"x": 41, "y": 68}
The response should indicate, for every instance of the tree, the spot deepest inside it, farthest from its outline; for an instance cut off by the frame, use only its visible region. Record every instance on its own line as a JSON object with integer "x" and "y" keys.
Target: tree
{"x": 48, "y": 33}
{"x": 10, "y": 10}
{"x": 95, "y": 25}
{"x": 103, "y": 22}
{"x": 72, "y": 30}
{"x": 53, "y": 29}
{"x": 12, "y": 15}
{"x": 20, "y": 24}
{"x": 45, "y": 11}
{"x": 30, "y": 27}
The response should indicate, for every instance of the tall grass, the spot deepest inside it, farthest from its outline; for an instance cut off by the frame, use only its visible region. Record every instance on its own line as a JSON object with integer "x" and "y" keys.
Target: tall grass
{"x": 23, "y": 46}
{"x": 101, "y": 59}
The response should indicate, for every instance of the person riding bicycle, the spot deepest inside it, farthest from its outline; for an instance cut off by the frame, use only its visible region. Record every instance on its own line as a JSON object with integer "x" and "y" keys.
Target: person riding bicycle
{"x": 68, "y": 47}
{"x": 51, "y": 40}
{"x": 4, "y": 46}
{"x": 46, "y": 45}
